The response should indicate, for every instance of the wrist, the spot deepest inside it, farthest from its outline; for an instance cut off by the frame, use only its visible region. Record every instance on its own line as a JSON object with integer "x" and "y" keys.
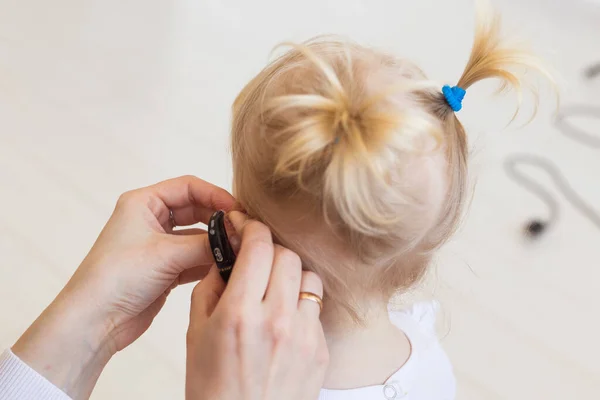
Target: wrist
{"x": 68, "y": 346}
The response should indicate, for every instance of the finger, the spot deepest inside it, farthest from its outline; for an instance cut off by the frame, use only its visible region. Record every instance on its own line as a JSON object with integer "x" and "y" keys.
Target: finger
{"x": 205, "y": 297}
{"x": 186, "y": 216}
{"x": 187, "y": 251}
{"x": 311, "y": 283}
{"x": 237, "y": 220}
{"x": 284, "y": 284}
{"x": 250, "y": 275}
{"x": 194, "y": 274}
{"x": 191, "y": 199}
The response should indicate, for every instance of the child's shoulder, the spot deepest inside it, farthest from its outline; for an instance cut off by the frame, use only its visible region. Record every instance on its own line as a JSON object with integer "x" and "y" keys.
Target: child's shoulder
{"x": 428, "y": 373}
{"x": 419, "y": 318}
{"x": 423, "y": 313}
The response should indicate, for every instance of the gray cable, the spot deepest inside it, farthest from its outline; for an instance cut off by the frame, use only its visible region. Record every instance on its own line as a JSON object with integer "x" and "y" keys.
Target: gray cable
{"x": 512, "y": 163}
{"x": 575, "y": 133}
{"x": 593, "y": 71}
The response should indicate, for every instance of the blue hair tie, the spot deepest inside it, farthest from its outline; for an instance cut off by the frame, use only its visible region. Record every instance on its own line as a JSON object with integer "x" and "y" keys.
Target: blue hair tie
{"x": 454, "y": 96}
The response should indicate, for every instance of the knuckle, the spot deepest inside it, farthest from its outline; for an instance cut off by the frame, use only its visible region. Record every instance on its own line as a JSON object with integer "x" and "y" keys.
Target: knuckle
{"x": 279, "y": 329}
{"x": 125, "y": 198}
{"x": 288, "y": 257}
{"x": 308, "y": 348}
{"x": 232, "y": 317}
{"x": 237, "y": 321}
{"x": 187, "y": 179}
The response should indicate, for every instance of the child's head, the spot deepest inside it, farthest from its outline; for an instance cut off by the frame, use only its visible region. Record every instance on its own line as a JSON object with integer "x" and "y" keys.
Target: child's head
{"x": 356, "y": 161}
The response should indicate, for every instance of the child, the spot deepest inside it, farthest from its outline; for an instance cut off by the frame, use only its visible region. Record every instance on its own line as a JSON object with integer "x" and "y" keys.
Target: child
{"x": 358, "y": 163}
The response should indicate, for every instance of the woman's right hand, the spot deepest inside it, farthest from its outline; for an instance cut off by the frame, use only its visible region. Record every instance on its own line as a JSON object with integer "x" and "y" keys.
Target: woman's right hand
{"x": 253, "y": 339}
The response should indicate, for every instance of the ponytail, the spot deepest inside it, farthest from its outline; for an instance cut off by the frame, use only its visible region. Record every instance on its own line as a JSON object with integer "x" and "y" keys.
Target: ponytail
{"x": 493, "y": 56}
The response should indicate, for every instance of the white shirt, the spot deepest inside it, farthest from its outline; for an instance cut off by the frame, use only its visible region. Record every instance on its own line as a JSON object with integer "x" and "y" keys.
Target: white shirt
{"x": 427, "y": 375}
{"x": 20, "y": 382}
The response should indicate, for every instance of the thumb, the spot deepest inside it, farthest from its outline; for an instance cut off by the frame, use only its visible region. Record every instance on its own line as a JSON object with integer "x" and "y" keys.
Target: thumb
{"x": 205, "y": 297}
{"x": 188, "y": 251}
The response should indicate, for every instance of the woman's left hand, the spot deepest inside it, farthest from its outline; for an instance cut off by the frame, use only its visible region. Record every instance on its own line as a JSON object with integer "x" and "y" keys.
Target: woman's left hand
{"x": 124, "y": 281}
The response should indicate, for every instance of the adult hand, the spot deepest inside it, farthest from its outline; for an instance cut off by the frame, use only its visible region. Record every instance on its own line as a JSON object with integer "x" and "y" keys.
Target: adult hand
{"x": 254, "y": 339}
{"x": 123, "y": 282}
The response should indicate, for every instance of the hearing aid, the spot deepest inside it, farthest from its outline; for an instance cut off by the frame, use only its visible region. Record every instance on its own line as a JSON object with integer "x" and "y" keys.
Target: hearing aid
{"x": 219, "y": 243}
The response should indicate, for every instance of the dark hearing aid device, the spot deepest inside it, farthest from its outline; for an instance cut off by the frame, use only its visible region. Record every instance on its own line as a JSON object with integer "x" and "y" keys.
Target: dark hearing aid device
{"x": 220, "y": 246}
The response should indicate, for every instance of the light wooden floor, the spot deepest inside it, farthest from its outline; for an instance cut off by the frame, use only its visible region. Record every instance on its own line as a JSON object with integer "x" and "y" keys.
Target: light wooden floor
{"x": 101, "y": 96}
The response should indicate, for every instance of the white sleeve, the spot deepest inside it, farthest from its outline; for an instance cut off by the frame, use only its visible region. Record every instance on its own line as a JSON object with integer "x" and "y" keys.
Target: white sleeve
{"x": 18, "y": 381}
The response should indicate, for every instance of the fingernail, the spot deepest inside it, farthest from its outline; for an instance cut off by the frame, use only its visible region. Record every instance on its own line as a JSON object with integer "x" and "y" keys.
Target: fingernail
{"x": 235, "y": 243}
{"x": 232, "y": 235}
{"x": 228, "y": 224}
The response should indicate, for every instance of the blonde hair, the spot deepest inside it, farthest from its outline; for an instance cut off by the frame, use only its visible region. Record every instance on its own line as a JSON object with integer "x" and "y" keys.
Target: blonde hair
{"x": 356, "y": 161}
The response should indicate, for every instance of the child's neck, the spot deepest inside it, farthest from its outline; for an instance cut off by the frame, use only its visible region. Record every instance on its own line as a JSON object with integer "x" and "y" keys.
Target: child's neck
{"x": 366, "y": 354}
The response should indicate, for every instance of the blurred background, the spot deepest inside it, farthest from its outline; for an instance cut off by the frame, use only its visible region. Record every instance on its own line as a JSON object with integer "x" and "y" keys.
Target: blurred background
{"x": 101, "y": 96}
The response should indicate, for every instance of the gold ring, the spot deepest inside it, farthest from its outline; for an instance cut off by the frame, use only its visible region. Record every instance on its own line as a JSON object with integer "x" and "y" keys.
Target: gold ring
{"x": 312, "y": 297}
